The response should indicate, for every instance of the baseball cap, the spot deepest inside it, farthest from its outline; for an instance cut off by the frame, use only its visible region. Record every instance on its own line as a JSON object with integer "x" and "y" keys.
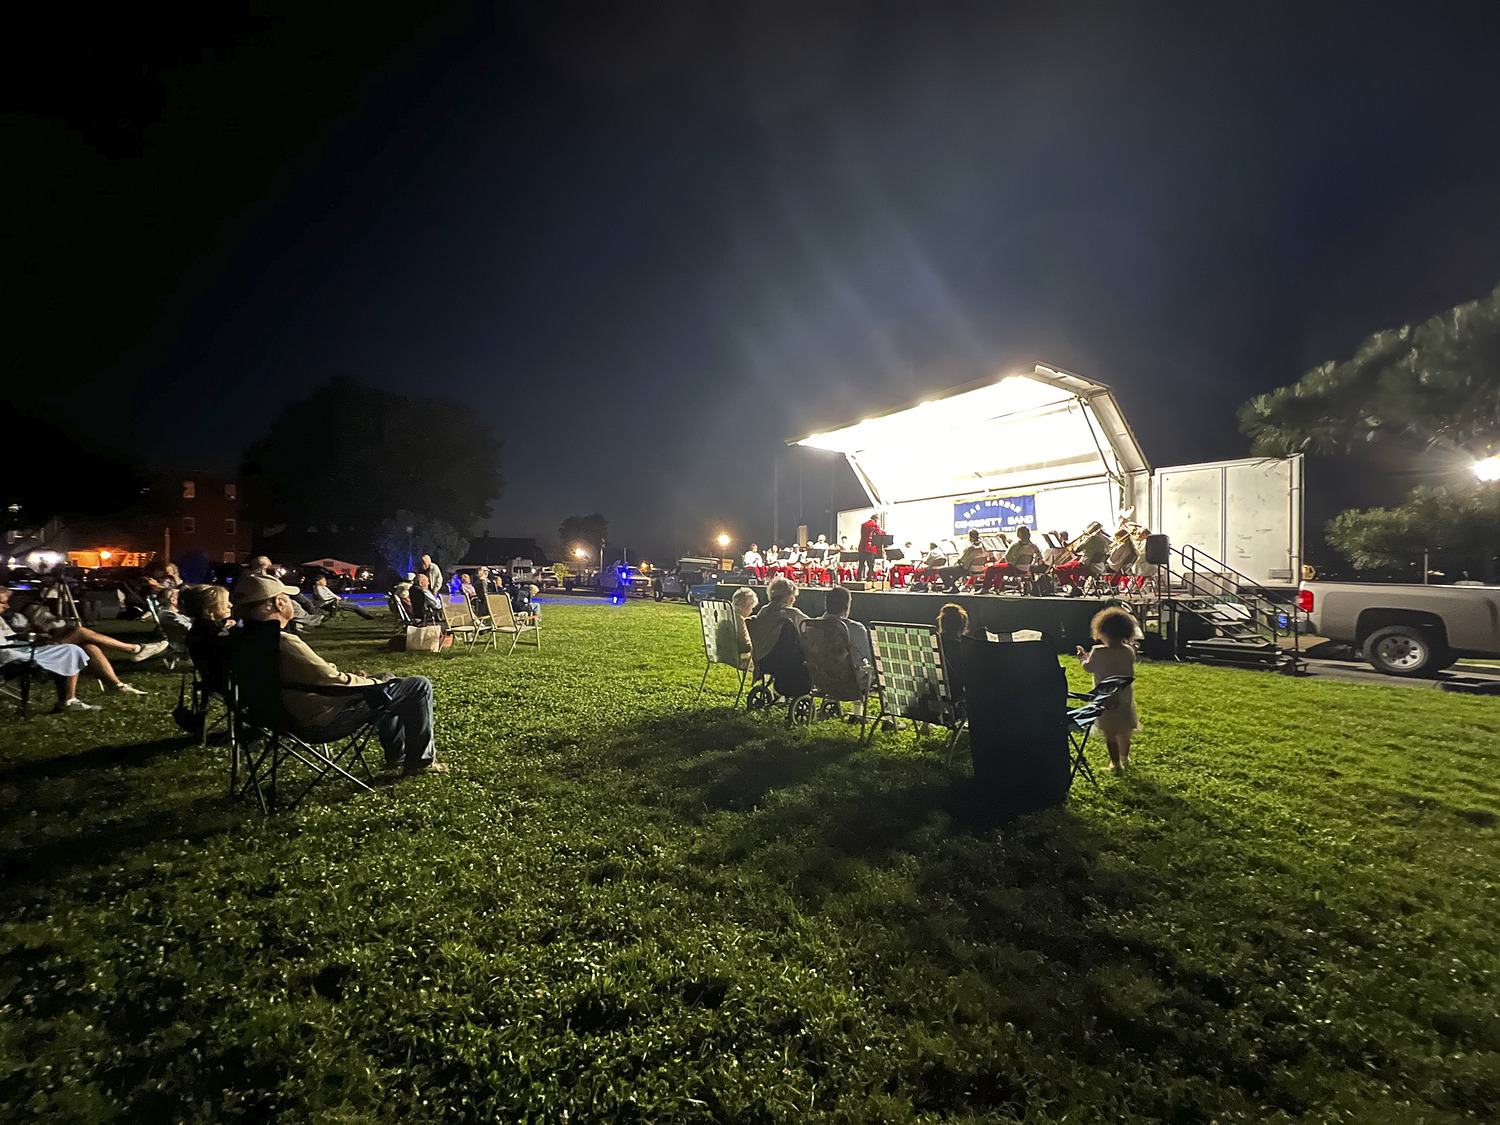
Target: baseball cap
{"x": 252, "y": 588}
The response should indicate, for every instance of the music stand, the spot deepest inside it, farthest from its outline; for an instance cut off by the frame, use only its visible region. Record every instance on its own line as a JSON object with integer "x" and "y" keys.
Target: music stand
{"x": 892, "y": 555}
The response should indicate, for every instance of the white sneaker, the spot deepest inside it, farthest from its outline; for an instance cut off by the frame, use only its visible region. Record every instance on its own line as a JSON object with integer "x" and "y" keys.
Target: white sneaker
{"x": 155, "y": 648}
{"x": 76, "y": 704}
{"x": 126, "y": 689}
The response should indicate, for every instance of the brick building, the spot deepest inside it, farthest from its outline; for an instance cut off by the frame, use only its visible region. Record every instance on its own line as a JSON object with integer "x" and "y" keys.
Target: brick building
{"x": 196, "y": 516}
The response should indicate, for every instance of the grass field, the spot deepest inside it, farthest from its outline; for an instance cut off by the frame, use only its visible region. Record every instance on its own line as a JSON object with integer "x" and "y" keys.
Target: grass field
{"x": 621, "y": 908}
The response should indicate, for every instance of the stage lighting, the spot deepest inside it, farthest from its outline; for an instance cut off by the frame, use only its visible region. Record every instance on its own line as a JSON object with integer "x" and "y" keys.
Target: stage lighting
{"x": 1488, "y": 469}
{"x": 723, "y": 540}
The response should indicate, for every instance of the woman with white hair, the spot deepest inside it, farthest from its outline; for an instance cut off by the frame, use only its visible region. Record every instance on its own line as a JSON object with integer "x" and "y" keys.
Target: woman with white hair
{"x": 776, "y": 634}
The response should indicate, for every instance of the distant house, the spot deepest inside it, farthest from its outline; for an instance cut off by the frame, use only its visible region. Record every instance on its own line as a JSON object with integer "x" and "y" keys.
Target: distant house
{"x": 494, "y": 550}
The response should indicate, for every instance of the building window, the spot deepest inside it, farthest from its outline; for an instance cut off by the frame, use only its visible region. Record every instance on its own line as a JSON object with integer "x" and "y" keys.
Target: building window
{"x": 229, "y": 557}
{"x": 189, "y": 490}
{"x": 229, "y": 495}
{"x": 228, "y": 527}
{"x": 188, "y": 525}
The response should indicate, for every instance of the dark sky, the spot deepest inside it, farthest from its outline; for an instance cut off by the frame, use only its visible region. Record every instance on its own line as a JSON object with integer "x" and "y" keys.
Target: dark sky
{"x": 651, "y": 242}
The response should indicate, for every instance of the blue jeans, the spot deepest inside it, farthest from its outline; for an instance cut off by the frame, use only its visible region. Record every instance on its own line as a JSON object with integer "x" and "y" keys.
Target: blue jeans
{"x": 404, "y": 721}
{"x": 405, "y": 728}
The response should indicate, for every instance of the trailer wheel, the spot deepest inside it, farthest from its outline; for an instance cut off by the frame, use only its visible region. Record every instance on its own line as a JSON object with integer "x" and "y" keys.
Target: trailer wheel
{"x": 1405, "y": 650}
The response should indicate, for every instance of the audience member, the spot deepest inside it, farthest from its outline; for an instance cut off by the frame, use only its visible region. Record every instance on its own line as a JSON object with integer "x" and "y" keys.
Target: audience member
{"x": 208, "y": 637}
{"x": 775, "y": 632}
{"x": 169, "y": 611}
{"x": 836, "y": 605}
{"x": 952, "y": 623}
{"x": 328, "y": 603}
{"x": 62, "y": 662}
{"x": 406, "y": 724}
{"x": 736, "y": 637}
{"x": 261, "y": 566}
{"x": 434, "y": 574}
{"x": 33, "y": 620}
{"x": 426, "y": 606}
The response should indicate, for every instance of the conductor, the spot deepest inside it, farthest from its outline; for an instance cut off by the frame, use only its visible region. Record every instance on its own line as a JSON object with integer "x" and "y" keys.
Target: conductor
{"x": 867, "y": 532}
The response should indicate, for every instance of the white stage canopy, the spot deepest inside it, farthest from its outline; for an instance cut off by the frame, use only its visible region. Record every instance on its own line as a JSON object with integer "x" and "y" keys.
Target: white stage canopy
{"x": 1044, "y": 427}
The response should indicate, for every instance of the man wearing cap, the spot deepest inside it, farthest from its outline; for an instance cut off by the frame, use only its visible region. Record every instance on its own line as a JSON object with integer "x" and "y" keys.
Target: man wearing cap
{"x": 405, "y": 725}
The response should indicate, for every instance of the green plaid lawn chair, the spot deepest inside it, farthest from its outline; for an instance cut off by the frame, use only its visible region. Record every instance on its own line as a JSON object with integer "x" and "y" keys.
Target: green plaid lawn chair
{"x": 909, "y": 676}
{"x": 719, "y": 645}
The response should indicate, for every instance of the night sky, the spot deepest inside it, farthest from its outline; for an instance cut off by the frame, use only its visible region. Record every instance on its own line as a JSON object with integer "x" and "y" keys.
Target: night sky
{"x": 652, "y": 242}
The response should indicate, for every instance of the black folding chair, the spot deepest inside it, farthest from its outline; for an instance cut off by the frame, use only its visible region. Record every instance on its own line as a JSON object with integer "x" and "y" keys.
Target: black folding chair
{"x": 1081, "y": 720}
{"x": 1016, "y": 700}
{"x": 17, "y": 676}
{"x": 206, "y": 679}
{"x": 264, "y": 739}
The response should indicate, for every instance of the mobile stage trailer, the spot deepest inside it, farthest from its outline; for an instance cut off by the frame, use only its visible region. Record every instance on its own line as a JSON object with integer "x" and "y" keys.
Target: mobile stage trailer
{"x": 1050, "y": 450}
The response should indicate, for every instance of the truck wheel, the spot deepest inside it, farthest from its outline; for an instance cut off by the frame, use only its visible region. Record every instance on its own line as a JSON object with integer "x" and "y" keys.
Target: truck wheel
{"x": 1404, "y": 650}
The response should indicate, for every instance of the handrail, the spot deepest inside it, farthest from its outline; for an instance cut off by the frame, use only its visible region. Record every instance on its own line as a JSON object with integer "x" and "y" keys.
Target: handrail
{"x": 1265, "y": 609}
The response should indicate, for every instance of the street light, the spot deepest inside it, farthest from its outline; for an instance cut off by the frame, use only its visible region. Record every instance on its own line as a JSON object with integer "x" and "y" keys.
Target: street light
{"x": 723, "y": 540}
{"x": 1488, "y": 469}
{"x": 580, "y": 553}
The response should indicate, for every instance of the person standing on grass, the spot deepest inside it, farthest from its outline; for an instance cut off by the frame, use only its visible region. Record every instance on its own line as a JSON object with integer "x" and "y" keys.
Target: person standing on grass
{"x": 1114, "y": 656}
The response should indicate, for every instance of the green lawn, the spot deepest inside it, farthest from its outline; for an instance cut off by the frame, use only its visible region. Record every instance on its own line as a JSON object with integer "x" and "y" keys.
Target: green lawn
{"x": 620, "y": 908}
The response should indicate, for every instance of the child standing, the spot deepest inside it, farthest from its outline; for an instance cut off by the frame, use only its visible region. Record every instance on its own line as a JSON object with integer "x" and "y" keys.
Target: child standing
{"x": 1113, "y": 656}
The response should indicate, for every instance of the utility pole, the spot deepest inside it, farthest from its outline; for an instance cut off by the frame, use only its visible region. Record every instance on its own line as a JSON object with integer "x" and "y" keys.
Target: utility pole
{"x": 775, "y": 499}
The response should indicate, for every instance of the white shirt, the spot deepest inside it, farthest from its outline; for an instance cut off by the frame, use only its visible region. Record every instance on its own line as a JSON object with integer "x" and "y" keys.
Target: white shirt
{"x": 753, "y": 558}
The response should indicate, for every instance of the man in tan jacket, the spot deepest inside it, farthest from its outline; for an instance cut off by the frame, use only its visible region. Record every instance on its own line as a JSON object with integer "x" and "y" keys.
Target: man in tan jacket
{"x": 405, "y": 705}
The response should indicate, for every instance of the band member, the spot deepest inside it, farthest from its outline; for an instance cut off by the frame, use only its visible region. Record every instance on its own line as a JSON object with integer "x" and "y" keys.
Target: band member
{"x": 755, "y": 562}
{"x": 1122, "y": 552}
{"x": 974, "y": 560}
{"x": 867, "y": 532}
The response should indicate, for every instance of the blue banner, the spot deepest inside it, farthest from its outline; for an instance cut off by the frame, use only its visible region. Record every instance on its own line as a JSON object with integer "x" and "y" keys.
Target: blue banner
{"x": 994, "y": 513}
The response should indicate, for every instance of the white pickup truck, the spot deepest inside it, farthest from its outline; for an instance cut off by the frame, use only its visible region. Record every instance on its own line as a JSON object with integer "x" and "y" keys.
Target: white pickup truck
{"x": 1405, "y": 630}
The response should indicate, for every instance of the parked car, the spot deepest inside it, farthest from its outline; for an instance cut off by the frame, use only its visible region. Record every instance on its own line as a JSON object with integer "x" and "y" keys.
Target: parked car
{"x": 1405, "y": 630}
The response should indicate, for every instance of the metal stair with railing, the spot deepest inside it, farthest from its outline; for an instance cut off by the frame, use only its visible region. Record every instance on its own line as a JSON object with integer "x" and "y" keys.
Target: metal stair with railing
{"x": 1209, "y": 612}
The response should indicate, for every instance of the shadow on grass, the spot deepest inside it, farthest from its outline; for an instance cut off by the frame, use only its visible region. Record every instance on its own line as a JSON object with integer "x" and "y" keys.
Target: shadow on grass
{"x": 905, "y": 855}
{"x": 99, "y": 758}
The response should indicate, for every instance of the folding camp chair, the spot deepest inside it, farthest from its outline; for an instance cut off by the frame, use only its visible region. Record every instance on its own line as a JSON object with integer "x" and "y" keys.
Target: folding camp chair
{"x": 720, "y": 644}
{"x": 910, "y": 679}
{"x": 263, "y": 740}
{"x": 208, "y": 678}
{"x": 504, "y": 619}
{"x": 400, "y": 612}
{"x": 838, "y": 673}
{"x": 1081, "y": 719}
{"x": 1021, "y": 730}
{"x": 459, "y": 617}
{"x": 177, "y": 652}
{"x": 17, "y": 676}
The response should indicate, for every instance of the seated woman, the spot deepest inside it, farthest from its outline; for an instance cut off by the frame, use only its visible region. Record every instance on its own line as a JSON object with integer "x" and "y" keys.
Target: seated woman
{"x": 66, "y": 651}
{"x": 775, "y": 634}
{"x": 208, "y": 638}
{"x": 734, "y": 634}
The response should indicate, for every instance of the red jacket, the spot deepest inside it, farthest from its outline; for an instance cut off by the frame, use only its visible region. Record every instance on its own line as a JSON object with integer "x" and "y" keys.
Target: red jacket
{"x": 867, "y": 532}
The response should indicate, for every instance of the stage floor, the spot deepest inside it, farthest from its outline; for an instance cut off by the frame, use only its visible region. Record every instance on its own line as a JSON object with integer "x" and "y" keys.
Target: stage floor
{"x": 1065, "y": 620}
